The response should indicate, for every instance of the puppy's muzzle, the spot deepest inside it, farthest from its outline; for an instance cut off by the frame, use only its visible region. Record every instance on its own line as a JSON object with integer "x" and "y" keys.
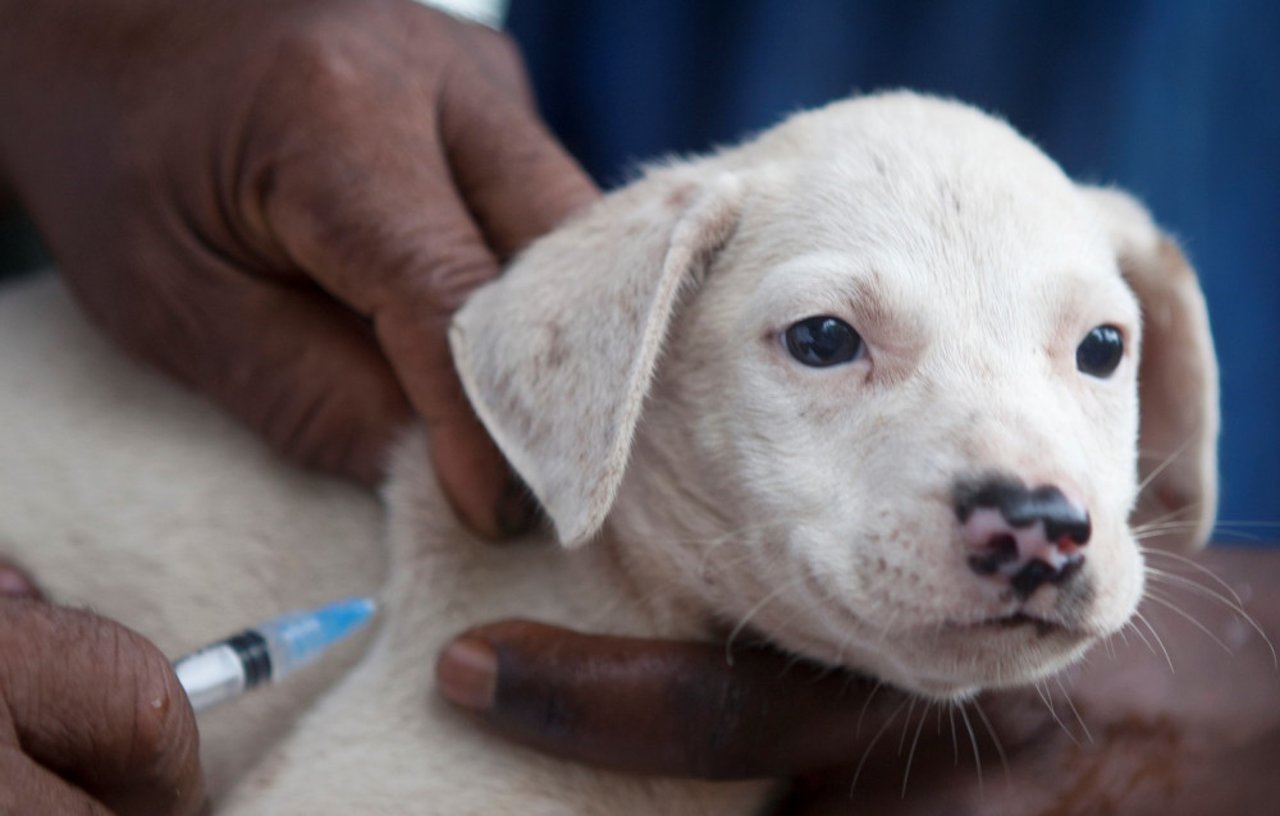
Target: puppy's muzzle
{"x": 1027, "y": 538}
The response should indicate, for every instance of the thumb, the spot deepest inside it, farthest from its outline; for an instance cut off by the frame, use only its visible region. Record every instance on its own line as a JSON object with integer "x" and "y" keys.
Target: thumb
{"x": 662, "y": 707}
{"x": 16, "y": 583}
{"x": 87, "y": 700}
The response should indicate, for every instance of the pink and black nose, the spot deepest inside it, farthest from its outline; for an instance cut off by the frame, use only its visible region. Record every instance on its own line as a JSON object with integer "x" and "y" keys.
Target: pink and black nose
{"x": 1026, "y": 537}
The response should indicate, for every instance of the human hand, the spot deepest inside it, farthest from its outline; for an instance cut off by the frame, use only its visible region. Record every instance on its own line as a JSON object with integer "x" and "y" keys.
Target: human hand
{"x": 16, "y": 583}
{"x": 1136, "y": 738}
{"x": 283, "y": 203}
{"x": 92, "y": 718}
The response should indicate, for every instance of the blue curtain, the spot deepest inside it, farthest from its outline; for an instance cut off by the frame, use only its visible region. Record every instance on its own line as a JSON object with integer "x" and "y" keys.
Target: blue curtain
{"x": 1177, "y": 101}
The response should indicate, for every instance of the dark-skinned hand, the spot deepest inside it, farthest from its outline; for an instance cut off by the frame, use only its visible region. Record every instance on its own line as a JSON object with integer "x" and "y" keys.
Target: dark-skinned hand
{"x": 92, "y": 718}
{"x": 1141, "y": 739}
{"x": 282, "y": 202}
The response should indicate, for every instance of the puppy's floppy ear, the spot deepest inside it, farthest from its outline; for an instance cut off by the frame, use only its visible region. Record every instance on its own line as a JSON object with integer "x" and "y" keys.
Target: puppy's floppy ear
{"x": 1177, "y": 379}
{"x": 557, "y": 355}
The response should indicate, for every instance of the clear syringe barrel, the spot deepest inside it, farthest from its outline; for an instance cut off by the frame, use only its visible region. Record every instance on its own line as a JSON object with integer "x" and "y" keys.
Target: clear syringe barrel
{"x": 295, "y": 639}
{"x": 266, "y": 653}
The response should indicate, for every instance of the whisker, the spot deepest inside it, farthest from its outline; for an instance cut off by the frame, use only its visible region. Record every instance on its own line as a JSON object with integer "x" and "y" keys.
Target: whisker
{"x": 1175, "y": 581}
{"x": 712, "y": 546}
{"x": 955, "y": 742}
{"x": 888, "y": 624}
{"x": 906, "y": 725}
{"x": 1237, "y": 607}
{"x": 1149, "y": 530}
{"x": 1130, "y": 625}
{"x": 844, "y": 644}
{"x": 857, "y": 730}
{"x": 1046, "y": 697}
{"x": 752, "y": 612}
{"x": 823, "y": 669}
{"x": 1195, "y": 565}
{"x": 871, "y": 746}
{"x": 1139, "y": 616}
{"x": 1172, "y": 607}
{"x": 914, "y": 742}
{"x": 1222, "y": 528}
{"x": 1153, "y": 531}
{"x": 1004, "y": 763}
{"x": 1155, "y": 473}
{"x": 1066, "y": 694}
{"x": 973, "y": 741}
{"x": 1109, "y": 646}
{"x": 1177, "y": 516}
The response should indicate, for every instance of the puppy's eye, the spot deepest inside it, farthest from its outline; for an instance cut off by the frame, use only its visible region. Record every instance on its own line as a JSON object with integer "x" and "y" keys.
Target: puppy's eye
{"x": 1100, "y": 351}
{"x": 822, "y": 341}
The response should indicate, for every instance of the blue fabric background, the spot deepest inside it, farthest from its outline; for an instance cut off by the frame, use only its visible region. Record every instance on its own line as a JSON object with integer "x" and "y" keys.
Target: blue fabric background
{"x": 1177, "y": 101}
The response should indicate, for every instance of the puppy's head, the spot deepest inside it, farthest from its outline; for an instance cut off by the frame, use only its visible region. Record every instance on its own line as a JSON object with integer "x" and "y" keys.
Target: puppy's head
{"x": 867, "y": 385}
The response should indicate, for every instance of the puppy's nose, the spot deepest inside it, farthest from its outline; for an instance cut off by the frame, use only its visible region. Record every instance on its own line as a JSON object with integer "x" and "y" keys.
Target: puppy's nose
{"x": 1026, "y": 537}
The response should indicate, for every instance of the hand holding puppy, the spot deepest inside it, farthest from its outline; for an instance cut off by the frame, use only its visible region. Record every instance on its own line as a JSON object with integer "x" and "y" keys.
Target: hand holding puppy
{"x": 1136, "y": 738}
{"x": 283, "y": 203}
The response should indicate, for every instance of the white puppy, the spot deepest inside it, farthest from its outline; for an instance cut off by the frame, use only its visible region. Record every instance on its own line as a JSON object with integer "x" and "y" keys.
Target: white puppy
{"x": 867, "y": 385}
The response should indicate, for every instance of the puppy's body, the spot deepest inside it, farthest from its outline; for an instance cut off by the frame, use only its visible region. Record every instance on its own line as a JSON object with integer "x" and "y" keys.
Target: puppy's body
{"x": 427, "y": 753}
{"x": 144, "y": 503}
{"x": 656, "y": 408}
{"x": 129, "y": 496}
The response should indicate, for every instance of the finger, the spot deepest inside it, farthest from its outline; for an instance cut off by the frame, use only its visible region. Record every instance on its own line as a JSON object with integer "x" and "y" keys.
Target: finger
{"x": 501, "y": 62}
{"x": 676, "y": 709}
{"x": 16, "y": 583}
{"x": 516, "y": 179}
{"x": 299, "y": 369}
{"x": 29, "y": 788}
{"x": 310, "y": 376}
{"x": 97, "y": 704}
{"x": 407, "y": 268}
{"x": 406, "y": 252}
{"x": 517, "y": 183}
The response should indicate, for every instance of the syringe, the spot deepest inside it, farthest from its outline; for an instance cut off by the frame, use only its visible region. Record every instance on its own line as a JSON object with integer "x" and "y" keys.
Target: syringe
{"x": 267, "y": 652}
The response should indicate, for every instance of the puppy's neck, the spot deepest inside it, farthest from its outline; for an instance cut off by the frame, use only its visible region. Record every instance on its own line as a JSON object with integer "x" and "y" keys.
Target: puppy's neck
{"x": 443, "y": 578}
{"x": 665, "y": 529}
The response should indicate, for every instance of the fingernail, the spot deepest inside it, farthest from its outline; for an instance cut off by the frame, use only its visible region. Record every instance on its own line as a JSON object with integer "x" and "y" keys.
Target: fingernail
{"x": 467, "y": 674}
{"x": 517, "y": 510}
{"x": 15, "y": 584}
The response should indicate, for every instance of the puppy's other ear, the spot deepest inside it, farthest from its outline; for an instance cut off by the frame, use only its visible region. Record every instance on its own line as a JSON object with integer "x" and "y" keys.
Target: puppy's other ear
{"x": 557, "y": 355}
{"x": 1177, "y": 380}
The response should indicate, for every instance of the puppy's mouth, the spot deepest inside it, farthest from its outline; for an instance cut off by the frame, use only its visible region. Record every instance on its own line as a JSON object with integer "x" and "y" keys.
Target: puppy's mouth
{"x": 1043, "y": 627}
